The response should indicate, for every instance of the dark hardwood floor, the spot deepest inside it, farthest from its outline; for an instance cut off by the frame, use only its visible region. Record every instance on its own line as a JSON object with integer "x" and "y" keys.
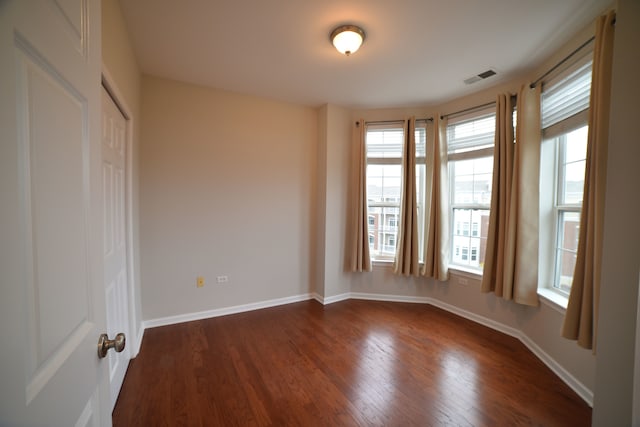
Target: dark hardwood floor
{"x": 350, "y": 363}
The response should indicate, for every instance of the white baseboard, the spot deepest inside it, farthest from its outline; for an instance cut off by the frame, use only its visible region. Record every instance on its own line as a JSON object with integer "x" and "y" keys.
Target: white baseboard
{"x": 171, "y": 320}
{"x": 485, "y": 321}
{"x": 570, "y": 380}
{"x": 138, "y": 341}
{"x": 563, "y": 374}
{"x": 390, "y": 298}
{"x": 580, "y": 389}
{"x": 336, "y": 298}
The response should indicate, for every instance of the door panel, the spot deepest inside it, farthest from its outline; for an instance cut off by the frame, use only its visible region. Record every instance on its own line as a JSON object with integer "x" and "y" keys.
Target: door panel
{"x": 114, "y": 134}
{"x": 55, "y": 213}
{"x": 52, "y": 307}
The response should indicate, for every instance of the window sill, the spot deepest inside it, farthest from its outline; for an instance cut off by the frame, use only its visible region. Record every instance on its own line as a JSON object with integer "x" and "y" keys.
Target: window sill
{"x": 382, "y": 264}
{"x": 465, "y": 272}
{"x": 553, "y": 299}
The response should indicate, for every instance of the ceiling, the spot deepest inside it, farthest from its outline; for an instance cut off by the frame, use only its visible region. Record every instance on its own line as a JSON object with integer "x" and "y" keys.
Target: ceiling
{"x": 416, "y": 52}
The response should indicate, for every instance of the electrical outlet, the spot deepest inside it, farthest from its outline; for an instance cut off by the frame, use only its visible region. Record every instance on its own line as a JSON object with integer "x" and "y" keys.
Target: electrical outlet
{"x": 463, "y": 281}
{"x": 222, "y": 279}
{"x": 200, "y": 281}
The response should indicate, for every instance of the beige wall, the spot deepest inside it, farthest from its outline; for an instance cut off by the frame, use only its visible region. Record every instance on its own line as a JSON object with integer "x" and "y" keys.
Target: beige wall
{"x": 334, "y": 148}
{"x": 227, "y": 188}
{"x": 120, "y": 64}
{"x": 319, "y": 249}
{"x": 614, "y": 399}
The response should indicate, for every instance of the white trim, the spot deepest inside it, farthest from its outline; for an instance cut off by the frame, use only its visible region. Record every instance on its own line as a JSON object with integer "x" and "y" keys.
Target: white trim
{"x": 390, "y": 298}
{"x": 330, "y": 300}
{"x": 580, "y": 389}
{"x": 316, "y": 296}
{"x": 471, "y": 154}
{"x": 485, "y": 321}
{"x": 53, "y": 363}
{"x": 462, "y": 271}
{"x": 87, "y": 413}
{"x": 109, "y": 84}
{"x": 553, "y": 299}
{"x": 635, "y": 410}
{"x": 138, "y": 341}
{"x": 171, "y": 320}
{"x": 563, "y": 374}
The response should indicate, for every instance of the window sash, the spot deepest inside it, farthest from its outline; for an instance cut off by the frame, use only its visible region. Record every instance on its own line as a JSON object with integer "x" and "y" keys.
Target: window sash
{"x": 468, "y": 242}
{"x": 384, "y": 235}
{"x": 468, "y": 155}
{"x": 564, "y": 255}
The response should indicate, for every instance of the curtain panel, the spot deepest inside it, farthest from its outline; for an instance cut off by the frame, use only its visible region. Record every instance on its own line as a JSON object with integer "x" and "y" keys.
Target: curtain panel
{"x": 497, "y": 255}
{"x": 358, "y": 259}
{"x": 406, "y": 260}
{"x": 511, "y": 261}
{"x": 581, "y": 319}
{"x": 436, "y": 263}
{"x": 525, "y": 195}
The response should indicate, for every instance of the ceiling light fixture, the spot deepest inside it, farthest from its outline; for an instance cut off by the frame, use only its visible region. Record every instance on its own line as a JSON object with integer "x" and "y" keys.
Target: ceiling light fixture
{"x": 347, "y": 38}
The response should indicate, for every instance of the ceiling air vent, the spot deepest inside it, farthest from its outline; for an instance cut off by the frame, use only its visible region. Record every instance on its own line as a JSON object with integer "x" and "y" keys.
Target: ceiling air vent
{"x": 480, "y": 76}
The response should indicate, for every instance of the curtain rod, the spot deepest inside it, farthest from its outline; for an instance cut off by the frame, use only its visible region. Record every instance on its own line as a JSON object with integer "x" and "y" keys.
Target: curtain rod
{"x": 476, "y": 108}
{"x": 388, "y": 122}
{"x": 467, "y": 110}
{"x": 565, "y": 59}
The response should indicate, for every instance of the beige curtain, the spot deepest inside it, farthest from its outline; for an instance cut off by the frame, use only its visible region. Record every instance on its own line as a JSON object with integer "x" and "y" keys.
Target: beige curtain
{"x": 406, "y": 260}
{"x": 436, "y": 263}
{"x": 525, "y": 193}
{"x": 581, "y": 318}
{"x": 496, "y": 255}
{"x": 358, "y": 259}
{"x": 511, "y": 261}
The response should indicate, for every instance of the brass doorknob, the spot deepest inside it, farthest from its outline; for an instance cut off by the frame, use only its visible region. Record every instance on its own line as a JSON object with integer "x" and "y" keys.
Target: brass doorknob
{"x": 104, "y": 344}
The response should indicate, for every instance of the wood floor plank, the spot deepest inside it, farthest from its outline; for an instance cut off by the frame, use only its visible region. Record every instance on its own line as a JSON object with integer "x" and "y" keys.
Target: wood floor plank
{"x": 352, "y": 363}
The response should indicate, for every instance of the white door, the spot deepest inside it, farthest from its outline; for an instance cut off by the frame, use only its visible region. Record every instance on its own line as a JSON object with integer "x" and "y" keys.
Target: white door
{"x": 114, "y": 141}
{"x": 52, "y": 305}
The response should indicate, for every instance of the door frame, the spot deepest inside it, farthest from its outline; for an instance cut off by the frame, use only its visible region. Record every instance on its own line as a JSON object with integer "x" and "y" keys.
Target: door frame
{"x": 134, "y": 336}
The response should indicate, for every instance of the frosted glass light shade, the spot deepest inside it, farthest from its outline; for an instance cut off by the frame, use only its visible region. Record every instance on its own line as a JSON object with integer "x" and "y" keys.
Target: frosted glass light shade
{"x": 347, "y": 39}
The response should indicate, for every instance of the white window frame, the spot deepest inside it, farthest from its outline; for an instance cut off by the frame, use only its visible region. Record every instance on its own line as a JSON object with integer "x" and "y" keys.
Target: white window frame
{"x": 483, "y": 151}
{"x": 551, "y": 186}
{"x": 384, "y": 224}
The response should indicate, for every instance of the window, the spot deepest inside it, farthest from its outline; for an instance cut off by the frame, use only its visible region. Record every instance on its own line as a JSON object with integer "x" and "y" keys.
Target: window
{"x": 474, "y": 229}
{"x": 565, "y": 103}
{"x": 470, "y": 143}
{"x": 384, "y": 144}
{"x": 571, "y": 159}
